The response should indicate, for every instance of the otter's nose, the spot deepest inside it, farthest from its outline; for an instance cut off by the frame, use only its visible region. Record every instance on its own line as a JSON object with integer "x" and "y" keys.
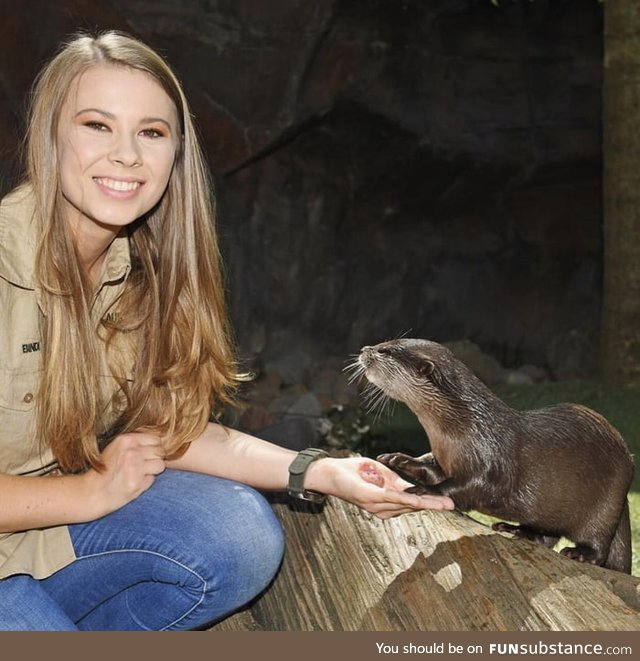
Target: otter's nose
{"x": 366, "y": 356}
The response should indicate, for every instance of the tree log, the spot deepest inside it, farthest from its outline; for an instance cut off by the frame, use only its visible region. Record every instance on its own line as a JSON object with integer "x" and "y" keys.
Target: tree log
{"x": 345, "y": 570}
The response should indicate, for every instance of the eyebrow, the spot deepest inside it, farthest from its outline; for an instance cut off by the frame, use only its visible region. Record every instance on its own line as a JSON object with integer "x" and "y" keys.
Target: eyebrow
{"x": 109, "y": 115}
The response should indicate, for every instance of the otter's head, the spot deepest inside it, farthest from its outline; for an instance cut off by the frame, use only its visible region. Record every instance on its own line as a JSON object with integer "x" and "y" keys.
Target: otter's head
{"x": 425, "y": 375}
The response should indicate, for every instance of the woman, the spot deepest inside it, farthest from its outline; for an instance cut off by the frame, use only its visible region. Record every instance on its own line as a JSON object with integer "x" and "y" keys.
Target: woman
{"x": 123, "y": 506}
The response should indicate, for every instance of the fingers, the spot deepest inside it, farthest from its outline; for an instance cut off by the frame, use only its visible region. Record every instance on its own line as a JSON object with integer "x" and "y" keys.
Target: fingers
{"x": 385, "y": 503}
{"x": 154, "y": 465}
{"x": 149, "y": 445}
{"x": 412, "y": 502}
{"x": 136, "y": 457}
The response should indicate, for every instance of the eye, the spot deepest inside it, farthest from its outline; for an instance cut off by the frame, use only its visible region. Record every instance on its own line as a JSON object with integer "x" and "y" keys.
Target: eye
{"x": 96, "y": 126}
{"x": 152, "y": 133}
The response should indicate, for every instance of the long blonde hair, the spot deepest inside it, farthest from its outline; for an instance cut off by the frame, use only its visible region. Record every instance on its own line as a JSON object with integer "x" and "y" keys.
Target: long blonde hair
{"x": 172, "y": 311}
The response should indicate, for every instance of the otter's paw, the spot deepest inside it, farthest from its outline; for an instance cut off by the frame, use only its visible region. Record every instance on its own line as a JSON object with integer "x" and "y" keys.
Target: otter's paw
{"x": 580, "y": 553}
{"x": 396, "y": 460}
{"x": 503, "y": 526}
{"x": 423, "y": 490}
{"x": 523, "y": 532}
{"x": 407, "y": 466}
{"x": 423, "y": 470}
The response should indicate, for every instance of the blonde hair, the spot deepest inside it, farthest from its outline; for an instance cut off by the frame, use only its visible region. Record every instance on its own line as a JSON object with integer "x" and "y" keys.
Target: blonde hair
{"x": 172, "y": 311}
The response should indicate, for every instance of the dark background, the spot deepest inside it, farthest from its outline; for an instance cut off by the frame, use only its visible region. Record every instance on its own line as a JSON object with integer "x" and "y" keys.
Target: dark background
{"x": 383, "y": 167}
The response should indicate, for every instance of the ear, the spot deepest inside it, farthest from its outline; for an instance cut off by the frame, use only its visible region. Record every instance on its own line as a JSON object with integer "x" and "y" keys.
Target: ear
{"x": 426, "y": 368}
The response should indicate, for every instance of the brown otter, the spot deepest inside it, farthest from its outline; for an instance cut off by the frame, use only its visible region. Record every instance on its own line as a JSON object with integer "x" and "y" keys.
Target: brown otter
{"x": 560, "y": 470}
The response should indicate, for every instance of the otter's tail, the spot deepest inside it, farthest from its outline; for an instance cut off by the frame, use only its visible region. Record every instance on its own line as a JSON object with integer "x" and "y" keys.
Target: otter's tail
{"x": 619, "y": 557}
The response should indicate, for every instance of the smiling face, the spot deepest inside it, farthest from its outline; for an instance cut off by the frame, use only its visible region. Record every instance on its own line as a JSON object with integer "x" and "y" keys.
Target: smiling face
{"x": 117, "y": 139}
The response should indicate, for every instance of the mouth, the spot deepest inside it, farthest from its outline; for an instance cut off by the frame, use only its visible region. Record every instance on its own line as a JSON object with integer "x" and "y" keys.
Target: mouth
{"x": 118, "y": 185}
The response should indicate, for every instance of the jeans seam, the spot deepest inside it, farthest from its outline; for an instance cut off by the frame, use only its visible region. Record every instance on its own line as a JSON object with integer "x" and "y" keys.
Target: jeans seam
{"x": 164, "y": 557}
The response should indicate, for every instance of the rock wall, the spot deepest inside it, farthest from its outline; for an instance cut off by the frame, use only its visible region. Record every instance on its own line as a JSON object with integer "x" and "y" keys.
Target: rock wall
{"x": 382, "y": 166}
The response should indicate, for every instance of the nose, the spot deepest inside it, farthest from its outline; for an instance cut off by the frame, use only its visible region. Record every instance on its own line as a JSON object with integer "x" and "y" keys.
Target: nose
{"x": 125, "y": 151}
{"x": 382, "y": 349}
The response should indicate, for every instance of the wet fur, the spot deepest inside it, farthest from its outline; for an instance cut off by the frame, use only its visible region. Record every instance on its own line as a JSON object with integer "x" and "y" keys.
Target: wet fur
{"x": 558, "y": 471}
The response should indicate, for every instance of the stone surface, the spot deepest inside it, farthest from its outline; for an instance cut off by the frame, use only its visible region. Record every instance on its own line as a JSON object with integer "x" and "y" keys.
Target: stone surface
{"x": 484, "y": 366}
{"x": 292, "y": 433}
{"x": 572, "y": 355}
{"x": 382, "y": 168}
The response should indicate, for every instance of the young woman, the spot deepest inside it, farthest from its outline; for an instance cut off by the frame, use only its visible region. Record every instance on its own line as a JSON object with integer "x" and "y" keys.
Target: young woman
{"x": 123, "y": 506}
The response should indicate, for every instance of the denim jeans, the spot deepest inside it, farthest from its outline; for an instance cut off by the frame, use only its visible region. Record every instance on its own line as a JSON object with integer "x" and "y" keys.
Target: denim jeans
{"x": 188, "y": 551}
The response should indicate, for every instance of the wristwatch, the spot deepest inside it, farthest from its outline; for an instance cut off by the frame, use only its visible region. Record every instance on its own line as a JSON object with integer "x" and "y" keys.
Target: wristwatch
{"x": 297, "y": 471}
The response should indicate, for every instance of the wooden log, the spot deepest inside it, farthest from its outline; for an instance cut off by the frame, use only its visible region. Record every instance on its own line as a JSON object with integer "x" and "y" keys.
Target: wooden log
{"x": 345, "y": 570}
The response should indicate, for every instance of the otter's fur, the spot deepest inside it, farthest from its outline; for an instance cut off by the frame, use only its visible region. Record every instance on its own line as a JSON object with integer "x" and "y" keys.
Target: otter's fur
{"x": 558, "y": 471}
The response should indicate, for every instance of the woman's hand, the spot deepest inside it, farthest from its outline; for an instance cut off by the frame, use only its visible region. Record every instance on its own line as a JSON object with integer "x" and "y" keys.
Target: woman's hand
{"x": 132, "y": 462}
{"x": 370, "y": 485}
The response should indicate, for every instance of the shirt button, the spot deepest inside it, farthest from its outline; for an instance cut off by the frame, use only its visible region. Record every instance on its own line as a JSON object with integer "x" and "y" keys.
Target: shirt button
{"x": 28, "y": 398}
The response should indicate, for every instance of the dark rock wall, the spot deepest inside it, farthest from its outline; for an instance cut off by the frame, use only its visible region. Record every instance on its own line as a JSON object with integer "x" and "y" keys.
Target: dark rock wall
{"x": 382, "y": 166}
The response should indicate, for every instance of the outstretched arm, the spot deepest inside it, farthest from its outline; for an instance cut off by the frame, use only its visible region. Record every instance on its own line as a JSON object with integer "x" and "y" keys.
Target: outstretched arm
{"x": 263, "y": 465}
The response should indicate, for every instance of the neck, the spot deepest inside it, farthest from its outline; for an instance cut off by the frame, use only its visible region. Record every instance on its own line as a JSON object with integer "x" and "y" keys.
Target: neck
{"x": 92, "y": 243}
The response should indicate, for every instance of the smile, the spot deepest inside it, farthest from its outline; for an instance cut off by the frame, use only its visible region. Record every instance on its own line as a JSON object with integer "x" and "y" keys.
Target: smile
{"x": 121, "y": 186}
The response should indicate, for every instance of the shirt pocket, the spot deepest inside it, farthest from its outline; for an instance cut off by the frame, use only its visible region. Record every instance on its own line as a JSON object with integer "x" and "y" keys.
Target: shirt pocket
{"x": 18, "y": 392}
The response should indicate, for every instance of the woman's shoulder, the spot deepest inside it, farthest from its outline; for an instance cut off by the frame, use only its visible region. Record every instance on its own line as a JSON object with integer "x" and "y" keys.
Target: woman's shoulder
{"x": 17, "y": 236}
{"x": 19, "y": 200}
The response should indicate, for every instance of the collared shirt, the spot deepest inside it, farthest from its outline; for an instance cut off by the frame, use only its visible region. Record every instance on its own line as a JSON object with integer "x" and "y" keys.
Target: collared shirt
{"x": 36, "y": 552}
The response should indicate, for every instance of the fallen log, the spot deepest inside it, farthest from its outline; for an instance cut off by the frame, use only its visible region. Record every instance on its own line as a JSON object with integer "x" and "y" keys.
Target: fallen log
{"x": 345, "y": 570}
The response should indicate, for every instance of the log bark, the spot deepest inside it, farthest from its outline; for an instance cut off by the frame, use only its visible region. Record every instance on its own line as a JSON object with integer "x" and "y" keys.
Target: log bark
{"x": 345, "y": 570}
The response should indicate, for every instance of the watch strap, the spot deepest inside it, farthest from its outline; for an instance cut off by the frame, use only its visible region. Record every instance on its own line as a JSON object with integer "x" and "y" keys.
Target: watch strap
{"x": 297, "y": 473}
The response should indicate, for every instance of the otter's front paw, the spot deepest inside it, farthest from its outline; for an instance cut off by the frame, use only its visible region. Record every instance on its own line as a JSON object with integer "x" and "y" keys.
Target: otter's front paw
{"x": 581, "y": 554}
{"x": 523, "y": 532}
{"x": 401, "y": 463}
{"x": 503, "y": 526}
{"x": 422, "y": 471}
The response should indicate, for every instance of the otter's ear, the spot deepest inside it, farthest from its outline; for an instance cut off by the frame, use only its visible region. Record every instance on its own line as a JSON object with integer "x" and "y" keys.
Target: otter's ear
{"x": 426, "y": 368}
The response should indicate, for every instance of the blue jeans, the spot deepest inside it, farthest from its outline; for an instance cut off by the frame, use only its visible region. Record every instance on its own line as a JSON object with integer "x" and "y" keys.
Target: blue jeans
{"x": 187, "y": 552}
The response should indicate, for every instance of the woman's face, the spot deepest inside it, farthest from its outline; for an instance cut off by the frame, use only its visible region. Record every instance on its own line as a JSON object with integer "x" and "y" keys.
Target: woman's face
{"x": 116, "y": 144}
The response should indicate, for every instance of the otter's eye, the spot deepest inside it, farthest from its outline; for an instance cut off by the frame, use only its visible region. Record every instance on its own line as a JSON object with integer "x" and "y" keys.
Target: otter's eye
{"x": 425, "y": 369}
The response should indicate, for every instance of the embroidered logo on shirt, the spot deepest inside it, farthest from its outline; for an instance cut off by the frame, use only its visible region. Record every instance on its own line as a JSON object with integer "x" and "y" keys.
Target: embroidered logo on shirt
{"x": 30, "y": 347}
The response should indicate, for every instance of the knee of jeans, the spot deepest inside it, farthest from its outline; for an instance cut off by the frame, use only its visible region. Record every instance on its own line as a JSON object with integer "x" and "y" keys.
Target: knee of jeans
{"x": 259, "y": 543}
{"x": 253, "y": 546}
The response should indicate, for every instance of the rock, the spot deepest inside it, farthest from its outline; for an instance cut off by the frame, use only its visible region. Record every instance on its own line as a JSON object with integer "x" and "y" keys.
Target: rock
{"x": 484, "y": 366}
{"x": 292, "y": 366}
{"x": 292, "y": 433}
{"x": 517, "y": 378}
{"x": 536, "y": 373}
{"x": 331, "y": 384}
{"x": 256, "y": 418}
{"x": 292, "y": 405}
{"x": 265, "y": 389}
{"x": 573, "y": 355}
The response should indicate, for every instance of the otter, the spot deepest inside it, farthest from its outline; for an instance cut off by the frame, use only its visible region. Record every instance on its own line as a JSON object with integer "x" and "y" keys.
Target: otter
{"x": 557, "y": 471}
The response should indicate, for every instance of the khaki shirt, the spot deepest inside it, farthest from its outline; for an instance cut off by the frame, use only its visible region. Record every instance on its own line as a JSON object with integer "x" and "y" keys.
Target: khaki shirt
{"x": 35, "y": 552}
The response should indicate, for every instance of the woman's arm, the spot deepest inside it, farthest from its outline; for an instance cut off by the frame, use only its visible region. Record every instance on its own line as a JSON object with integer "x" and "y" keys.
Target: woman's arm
{"x": 231, "y": 454}
{"x": 37, "y": 502}
{"x": 131, "y": 463}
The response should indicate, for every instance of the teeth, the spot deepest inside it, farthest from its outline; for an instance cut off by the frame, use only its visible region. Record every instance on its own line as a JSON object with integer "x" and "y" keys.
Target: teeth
{"x": 119, "y": 185}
